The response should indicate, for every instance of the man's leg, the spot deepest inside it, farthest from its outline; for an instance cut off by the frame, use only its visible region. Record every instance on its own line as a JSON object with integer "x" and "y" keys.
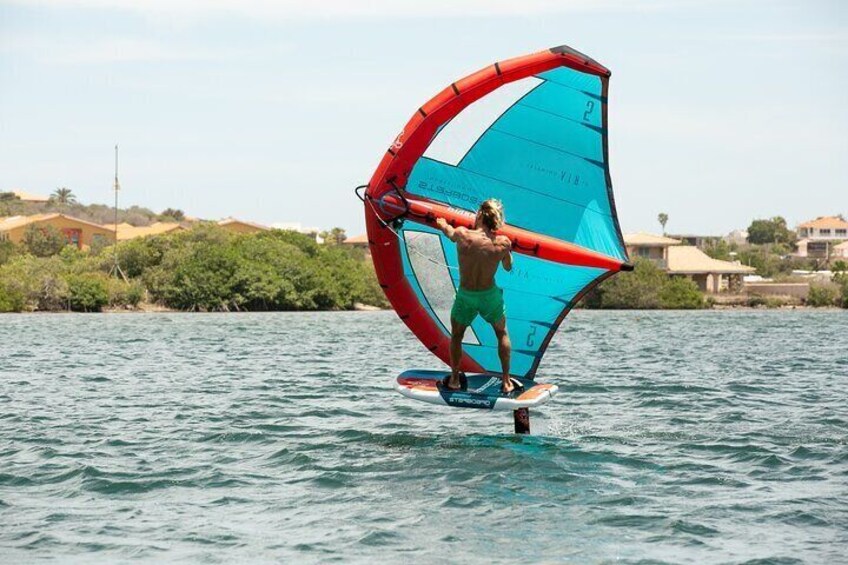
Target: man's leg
{"x": 457, "y": 333}
{"x": 504, "y": 347}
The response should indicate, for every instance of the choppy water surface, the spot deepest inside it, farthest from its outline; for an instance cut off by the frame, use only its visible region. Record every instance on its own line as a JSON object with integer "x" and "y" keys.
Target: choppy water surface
{"x": 676, "y": 437}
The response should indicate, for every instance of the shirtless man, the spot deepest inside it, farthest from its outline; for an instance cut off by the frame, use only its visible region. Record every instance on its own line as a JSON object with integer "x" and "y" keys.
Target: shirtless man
{"x": 480, "y": 251}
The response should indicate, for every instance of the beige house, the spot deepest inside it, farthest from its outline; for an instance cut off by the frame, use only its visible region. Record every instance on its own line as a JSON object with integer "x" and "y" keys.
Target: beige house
{"x": 78, "y": 232}
{"x": 239, "y": 226}
{"x": 819, "y": 236}
{"x": 127, "y": 231}
{"x": 649, "y": 246}
{"x": 825, "y": 228}
{"x": 711, "y": 275}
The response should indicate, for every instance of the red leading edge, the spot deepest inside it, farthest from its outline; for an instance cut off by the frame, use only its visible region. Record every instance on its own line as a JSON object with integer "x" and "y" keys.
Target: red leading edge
{"x": 396, "y": 166}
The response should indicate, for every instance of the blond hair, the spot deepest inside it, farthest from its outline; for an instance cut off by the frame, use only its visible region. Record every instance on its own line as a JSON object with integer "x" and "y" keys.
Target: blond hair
{"x": 492, "y": 214}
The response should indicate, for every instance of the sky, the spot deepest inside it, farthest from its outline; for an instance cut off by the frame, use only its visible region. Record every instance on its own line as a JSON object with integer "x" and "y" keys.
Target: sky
{"x": 273, "y": 111}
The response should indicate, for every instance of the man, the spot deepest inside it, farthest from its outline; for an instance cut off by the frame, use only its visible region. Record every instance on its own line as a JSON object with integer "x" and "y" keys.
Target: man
{"x": 480, "y": 252}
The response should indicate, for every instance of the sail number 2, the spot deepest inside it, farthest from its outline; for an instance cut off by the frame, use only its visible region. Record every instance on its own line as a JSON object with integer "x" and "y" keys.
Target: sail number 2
{"x": 531, "y": 337}
{"x": 590, "y": 105}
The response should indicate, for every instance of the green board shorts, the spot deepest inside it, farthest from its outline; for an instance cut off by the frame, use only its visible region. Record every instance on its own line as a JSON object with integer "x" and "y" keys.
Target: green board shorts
{"x": 488, "y": 303}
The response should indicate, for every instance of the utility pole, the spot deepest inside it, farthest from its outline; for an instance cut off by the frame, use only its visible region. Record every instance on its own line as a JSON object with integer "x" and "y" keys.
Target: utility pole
{"x": 116, "y": 268}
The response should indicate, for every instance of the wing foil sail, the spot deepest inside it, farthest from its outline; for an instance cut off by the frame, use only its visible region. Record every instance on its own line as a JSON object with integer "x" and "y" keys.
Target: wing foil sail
{"x": 532, "y": 132}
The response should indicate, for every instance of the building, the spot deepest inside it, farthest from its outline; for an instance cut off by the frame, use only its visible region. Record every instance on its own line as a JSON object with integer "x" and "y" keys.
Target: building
{"x": 825, "y": 228}
{"x": 650, "y": 246}
{"x": 699, "y": 241}
{"x": 77, "y": 232}
{"x": 358, "y": 241}
{"x": 814, "y": 249}
{"x": 127, "y": 231}
{"x": 819, "y": 236}
{"x": 711, "y": 275}
{"x": 240, "y": 226}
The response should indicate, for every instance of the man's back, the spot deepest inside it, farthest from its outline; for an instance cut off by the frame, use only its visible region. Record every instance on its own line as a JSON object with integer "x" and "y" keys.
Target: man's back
{"x": 480, "y": 251}
{"x": 479, "y": 256}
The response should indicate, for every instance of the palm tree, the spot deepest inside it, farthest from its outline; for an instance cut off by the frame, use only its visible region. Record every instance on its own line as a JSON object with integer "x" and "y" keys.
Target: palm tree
{"x": 663, "y": 220}
{"x": 63, "y": 196}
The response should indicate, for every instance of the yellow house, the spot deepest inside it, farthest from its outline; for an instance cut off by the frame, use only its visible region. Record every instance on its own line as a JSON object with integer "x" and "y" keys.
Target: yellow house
{"x": 239, "y": 226}
{"x": 77, "y": 232}
{"x": 127, "y": 231}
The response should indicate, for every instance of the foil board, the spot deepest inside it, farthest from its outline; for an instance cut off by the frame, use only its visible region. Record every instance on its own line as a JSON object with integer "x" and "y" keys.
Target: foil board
{"x": 483, "y": 391}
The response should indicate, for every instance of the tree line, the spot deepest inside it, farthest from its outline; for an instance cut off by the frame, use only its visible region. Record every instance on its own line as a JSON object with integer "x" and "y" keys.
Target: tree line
{"x": 204, "y": 269}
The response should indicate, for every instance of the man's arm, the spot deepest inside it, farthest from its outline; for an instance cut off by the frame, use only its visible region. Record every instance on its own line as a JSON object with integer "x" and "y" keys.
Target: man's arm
{"x": 507, "y": 258}
{"x": 447, "y": 229}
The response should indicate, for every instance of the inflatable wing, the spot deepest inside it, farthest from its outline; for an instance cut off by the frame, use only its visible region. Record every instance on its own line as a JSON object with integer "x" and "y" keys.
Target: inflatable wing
{"x": 531, "y": 132}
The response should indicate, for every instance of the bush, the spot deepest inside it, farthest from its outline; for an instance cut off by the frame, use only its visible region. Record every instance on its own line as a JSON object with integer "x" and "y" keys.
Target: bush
{"x": 87, "y": 292}
{"x": 823, "y": 295}
{"x": 43, "y": 241}
{"x": 37, "y": 281}
{"x": 124, "y": 294}
{"x": 202, "y": 277}
{"x": 841, "y": 282}
{"x": 7, "y": 251}
{"x": 136, "y": 256}
{"x": 638, "y": 289}
{"x": 680, "y": 293}
{"x": 646, "y": 287}
{"x": 11, "y": 300}
{"x": 757, "y": 300}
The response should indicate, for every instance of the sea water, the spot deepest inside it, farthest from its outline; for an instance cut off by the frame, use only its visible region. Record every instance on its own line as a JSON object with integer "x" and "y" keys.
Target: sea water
{"x": 677, "y": 437}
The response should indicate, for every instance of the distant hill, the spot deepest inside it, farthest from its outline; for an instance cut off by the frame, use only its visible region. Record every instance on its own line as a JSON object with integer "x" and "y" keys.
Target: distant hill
{"x": 10, "y": 205}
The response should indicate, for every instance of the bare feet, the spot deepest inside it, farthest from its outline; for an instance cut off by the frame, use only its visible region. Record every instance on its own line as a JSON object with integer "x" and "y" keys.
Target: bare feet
{"x": 453, "y": 382}
{"x": 506, "y": 385}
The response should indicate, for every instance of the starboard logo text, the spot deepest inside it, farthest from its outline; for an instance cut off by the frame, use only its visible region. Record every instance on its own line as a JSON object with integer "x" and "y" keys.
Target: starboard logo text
{"x": 467, "y": 401}
{"x": 451, "y": 194}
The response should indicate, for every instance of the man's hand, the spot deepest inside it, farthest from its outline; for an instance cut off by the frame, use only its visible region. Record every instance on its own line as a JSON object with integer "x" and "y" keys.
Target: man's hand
{"x": 446, "y": 228}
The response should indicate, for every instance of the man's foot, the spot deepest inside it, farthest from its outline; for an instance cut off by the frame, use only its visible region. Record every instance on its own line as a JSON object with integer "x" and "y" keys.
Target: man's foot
{"x": 510, "y": 385}
{"x": 454, "y": 381}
